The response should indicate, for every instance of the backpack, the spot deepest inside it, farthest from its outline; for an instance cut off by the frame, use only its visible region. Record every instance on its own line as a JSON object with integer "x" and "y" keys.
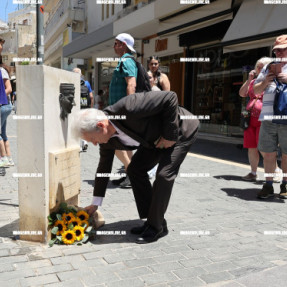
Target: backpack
{"x": 280, "y": 103}
{"x": 85, "y": 97}
{"x": 143, "y": 84}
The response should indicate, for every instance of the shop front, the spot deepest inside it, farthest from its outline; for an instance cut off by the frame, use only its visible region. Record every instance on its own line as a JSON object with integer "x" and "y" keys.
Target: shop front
{"x": 216, "y": 84}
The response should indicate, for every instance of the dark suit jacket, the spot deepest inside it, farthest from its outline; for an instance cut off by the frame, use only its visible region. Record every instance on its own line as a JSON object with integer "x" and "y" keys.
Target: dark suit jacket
{"x": 149, "y": 116}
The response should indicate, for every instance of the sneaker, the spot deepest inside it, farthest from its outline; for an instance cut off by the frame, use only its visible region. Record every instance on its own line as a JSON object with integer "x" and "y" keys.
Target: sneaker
{"x": 266, "y": 191}
{"x": 4, "y": 162}
{"x": 126, "y": 183}
{"x": 2, "y": 171}
{"x": 10, "y": 162}
{"x": 85, "y": 147}
{"x": 278, "y": 175}
{"x": 250, "y": 177}
{"x": 283, "y": 191}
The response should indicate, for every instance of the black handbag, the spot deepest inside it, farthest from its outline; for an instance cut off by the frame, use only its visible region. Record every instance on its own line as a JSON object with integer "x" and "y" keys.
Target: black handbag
{"x": 245, "y": 117}
{"x": 245, "y": 120}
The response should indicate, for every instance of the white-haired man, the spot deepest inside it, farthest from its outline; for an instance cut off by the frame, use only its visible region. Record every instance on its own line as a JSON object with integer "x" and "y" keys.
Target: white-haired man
{"x": 153, "y": 125}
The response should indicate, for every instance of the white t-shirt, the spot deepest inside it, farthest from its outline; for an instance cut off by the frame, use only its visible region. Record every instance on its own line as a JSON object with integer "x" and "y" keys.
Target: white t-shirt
{"x": 4, "y": 73}
{"x": 5, "y": 76}
{"x": 269, "y": 95}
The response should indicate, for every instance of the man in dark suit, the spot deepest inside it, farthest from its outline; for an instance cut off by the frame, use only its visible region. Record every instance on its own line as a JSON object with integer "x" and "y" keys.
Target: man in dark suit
{"x": 154, "y": 126}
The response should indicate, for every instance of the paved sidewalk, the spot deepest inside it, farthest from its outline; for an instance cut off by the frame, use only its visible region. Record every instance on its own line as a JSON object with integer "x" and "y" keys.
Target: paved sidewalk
{"x": 217, "y": 234}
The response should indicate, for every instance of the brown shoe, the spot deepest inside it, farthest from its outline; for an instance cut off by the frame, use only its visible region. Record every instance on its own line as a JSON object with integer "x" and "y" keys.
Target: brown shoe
{"x": 250, "y": 177}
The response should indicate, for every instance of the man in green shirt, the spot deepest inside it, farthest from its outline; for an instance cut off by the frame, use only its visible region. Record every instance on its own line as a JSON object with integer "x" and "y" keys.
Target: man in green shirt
{"x": 123, "y": 84}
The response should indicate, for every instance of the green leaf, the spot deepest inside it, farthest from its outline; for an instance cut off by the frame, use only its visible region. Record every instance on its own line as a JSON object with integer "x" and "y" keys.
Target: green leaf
{"x": 63, "y": 205}
{"x": 52, "y": 241}
{"x": 55, "y": 230}
{"x": 79, "y": 243}
{"x": 59, "y": 237}
{"x": 85, "y": 239}
{"x": 59, "y": 217}
{"x": 71, "y": 226}
{"x": 89, "y": 229}
{"x": 49, "y": 218}
{"x": 85, "y": 225}
{"x": 73, "y": 209}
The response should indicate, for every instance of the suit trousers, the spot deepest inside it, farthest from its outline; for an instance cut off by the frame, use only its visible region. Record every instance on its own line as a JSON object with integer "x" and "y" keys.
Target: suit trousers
{"x": 152, "y": 200}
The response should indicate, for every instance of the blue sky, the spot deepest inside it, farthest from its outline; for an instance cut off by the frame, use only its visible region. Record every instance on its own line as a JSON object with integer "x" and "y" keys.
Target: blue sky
{"x": 6, "y": 6}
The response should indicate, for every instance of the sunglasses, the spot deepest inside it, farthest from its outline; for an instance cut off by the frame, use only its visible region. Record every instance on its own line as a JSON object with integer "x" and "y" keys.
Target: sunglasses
{"x": 279, "y": 50}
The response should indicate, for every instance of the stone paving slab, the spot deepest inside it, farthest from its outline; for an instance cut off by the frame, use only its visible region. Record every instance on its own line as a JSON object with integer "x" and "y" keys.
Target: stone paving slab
{"x": 217, "y": 234}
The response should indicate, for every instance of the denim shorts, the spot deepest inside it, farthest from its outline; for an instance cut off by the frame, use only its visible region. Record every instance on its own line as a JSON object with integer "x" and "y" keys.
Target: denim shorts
{"x": 5, "y": 112}
{"x": 271, "y": 135}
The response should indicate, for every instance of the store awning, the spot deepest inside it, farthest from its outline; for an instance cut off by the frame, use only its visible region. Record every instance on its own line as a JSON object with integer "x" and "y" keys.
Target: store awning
{"x": 196, "y": 19}
{"x": 255, "y": 25}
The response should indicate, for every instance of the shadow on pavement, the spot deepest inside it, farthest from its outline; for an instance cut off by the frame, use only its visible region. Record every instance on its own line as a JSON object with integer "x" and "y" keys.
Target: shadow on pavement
{"x": 10, "y": 204}
{"x": 222, "y": 150}
{"x": 237, "y": 178}
{"x": 110, "y": 184}
{"x": 250, "y": 194}
{"x": 7, "y": 230}
{"x": 108, "y": 232}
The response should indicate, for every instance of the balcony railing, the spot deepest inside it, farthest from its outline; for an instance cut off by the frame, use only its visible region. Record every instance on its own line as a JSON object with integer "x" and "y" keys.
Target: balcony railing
{"x": 134, "y": 5}
{"x": 73, "y": 10}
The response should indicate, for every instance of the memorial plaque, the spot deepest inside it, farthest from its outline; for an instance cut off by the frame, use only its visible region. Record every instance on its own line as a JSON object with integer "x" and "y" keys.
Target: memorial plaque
{"x": 64, "y": 177}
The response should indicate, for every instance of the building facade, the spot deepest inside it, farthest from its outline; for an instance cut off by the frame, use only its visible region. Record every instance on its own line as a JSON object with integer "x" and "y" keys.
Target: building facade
{"x": 230, "y": 35}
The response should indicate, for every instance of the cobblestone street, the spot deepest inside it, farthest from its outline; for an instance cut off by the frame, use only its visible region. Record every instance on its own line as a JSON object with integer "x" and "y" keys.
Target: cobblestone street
{"x": 219, "y": 233}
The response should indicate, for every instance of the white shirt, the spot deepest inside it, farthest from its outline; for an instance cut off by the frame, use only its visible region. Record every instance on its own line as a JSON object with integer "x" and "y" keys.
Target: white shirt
{"x": 269, "y": 94}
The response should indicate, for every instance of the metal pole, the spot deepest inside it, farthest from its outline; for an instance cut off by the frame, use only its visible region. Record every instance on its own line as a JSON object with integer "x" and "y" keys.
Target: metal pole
{"x": 40, "y": 33}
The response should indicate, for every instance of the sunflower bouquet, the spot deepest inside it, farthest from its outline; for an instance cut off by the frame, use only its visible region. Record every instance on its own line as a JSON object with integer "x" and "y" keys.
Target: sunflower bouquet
{"x": 70, "y": 225}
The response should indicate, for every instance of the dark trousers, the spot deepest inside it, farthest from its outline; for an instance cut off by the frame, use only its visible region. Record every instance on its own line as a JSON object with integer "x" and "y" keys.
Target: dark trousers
{"x": 152, "y": 200}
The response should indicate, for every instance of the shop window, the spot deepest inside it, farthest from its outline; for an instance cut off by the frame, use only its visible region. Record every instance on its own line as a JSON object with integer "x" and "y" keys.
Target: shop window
{"x": 217, "y": 80}
{"x": 161, "y": 45}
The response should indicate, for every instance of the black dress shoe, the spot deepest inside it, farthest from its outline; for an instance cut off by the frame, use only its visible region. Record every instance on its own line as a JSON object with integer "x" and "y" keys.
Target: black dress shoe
{"x": 150, "y": 235}
{"x": 118, "y": 181}
{"x": 126, "y": 183}
{"x": 140, "y": 229}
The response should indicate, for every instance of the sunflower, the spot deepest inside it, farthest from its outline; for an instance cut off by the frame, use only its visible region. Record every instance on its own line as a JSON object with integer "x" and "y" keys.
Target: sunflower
{"x": 69, "y": 237}
{"x": 61, "y": 226}
{"x": 80, "y": 233}
{"x": 76, "y": 221}
{"x": 67, "y": 217}
{"x": 83, "y": 215}
{"x": 85, "y": 222}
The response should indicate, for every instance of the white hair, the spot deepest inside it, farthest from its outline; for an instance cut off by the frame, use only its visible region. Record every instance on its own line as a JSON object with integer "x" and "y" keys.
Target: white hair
{"x": 86, "y": 121}
{"x": 77, "y": 70}
{"x": 264, "y": 61}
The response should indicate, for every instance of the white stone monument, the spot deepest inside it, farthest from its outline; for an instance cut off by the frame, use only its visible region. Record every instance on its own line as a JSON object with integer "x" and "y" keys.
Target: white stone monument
{"x": 48, "y": 155}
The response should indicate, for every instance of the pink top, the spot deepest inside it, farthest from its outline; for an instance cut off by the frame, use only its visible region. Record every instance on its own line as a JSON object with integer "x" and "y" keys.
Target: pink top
{"x": 254, "y": 106}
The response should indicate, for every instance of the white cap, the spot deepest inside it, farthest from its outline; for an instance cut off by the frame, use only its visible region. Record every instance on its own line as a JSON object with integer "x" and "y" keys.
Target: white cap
{"x": 128, "y": 40}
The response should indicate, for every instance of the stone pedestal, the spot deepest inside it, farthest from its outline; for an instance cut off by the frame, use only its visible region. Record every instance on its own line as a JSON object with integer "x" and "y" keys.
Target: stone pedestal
{"x": 47, "y": 153}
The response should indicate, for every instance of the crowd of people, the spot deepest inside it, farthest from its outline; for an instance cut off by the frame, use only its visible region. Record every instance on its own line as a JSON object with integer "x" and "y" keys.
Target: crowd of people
{"x": 161, "y": 139}
{"x": 266, "y": 133}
